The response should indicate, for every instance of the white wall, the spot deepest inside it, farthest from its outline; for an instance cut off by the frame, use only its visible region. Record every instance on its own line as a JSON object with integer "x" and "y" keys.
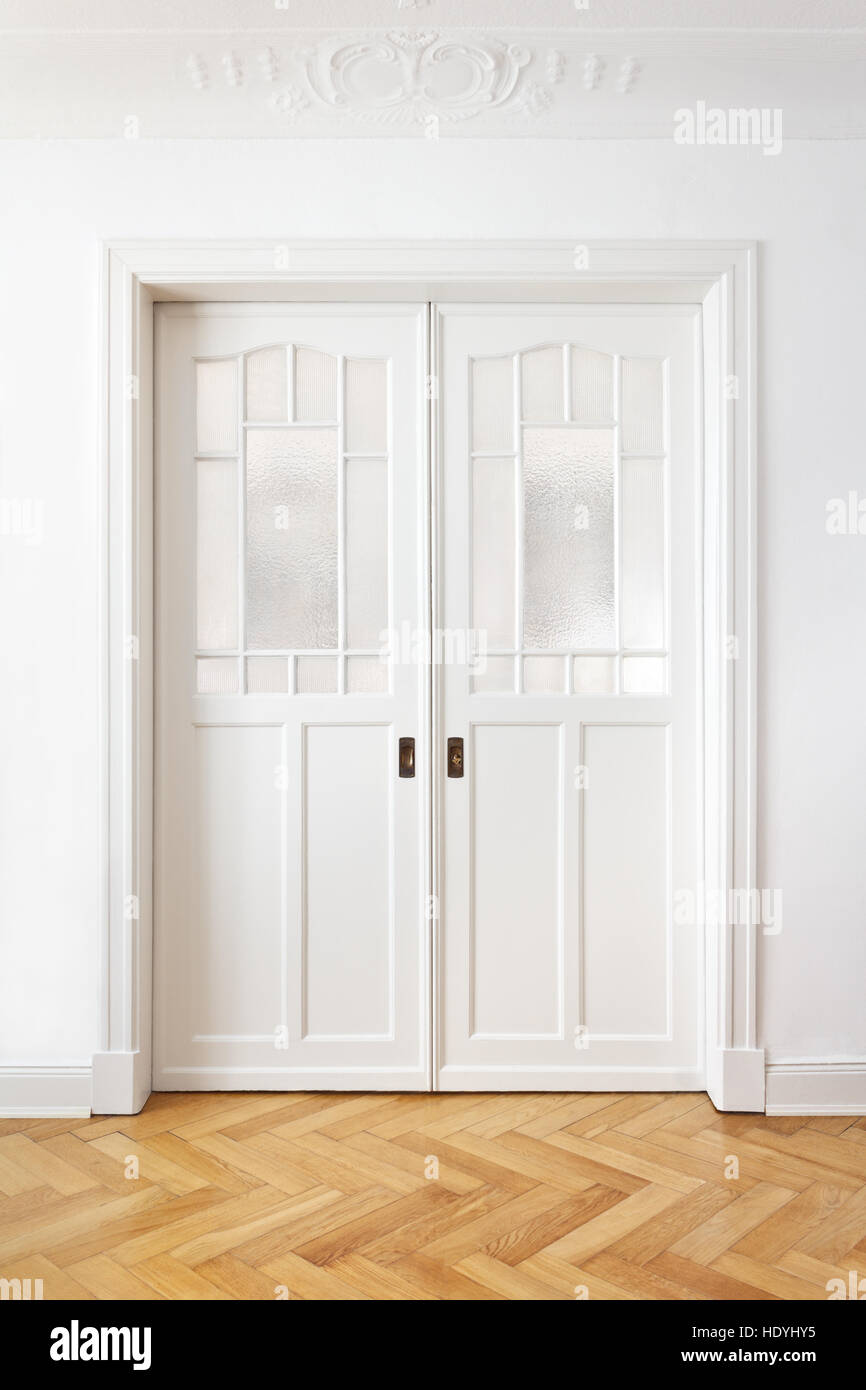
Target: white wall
{"x": 808, "y": 209}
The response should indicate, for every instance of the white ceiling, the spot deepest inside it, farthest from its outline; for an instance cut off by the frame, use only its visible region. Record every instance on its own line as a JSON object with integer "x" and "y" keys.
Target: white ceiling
{"x": 443, "y": 68}
{"x": 219, "y": 15}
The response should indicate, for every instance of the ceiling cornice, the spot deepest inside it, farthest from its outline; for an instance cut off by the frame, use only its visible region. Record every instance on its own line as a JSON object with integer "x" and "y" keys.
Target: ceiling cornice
{"x": 415, "y": 79}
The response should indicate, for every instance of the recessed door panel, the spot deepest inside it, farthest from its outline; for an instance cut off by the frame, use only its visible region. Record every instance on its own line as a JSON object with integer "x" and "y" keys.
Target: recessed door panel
{"x": 515, "y": 966}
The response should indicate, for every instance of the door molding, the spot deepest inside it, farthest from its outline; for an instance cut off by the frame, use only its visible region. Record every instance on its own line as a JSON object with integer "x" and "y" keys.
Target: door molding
{"x": 718, "y": 276}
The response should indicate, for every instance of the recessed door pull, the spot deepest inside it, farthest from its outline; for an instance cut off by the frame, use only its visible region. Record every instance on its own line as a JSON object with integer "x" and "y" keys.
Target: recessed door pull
{"x": 407, "y": 757}
{"x": 455, "y": 757}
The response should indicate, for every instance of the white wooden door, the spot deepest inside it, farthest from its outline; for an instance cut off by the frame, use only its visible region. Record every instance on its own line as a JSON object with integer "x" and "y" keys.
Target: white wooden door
{"x": 567, "y": 552}
{"x": 291, "y": 944}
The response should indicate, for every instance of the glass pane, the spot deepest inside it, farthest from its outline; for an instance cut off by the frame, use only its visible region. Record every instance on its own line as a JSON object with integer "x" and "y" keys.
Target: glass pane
{"x": 591, "y": 386}
{"x": 366, "y": 675}
{"x": 493, "y": 403}
{"x": 643, "y": 553}
{"x": 216, "y": 675}
{"x": 542, "y": 385}
{"x": 544, "y": 675}
{"x": 366, "y": 551}
{"x": 644, "y": 675}
{"x": 292, "y": 538}
{"x": 496, "y": 678}
{"x": 594, "y": 675}
{"x": 267, "y": 675}
{"x": 216, "y": 554}
{"x": 568, "y": 597}
{"x": 316, "y": 675}
{"x": 642, "y": 404}
{"x": 267, "y": 397}
{"x": 494, "y": 594}
{"x": 216, "y": 413}
{"x": 315, "y": 385}
{"x": 366, "y": 407}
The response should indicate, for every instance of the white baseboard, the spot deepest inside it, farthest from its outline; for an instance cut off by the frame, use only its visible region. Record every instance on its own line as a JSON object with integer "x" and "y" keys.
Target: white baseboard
{"x": 793, "y": 1087}
{"x": 290, "y": 1079}
{"x": 735, "y": 1079}
{"x": 121, "y": 1082}
{"x": 812, "y": 1087}
{"x": 39, "y": 1092}
{"x": 565, "y": 1079}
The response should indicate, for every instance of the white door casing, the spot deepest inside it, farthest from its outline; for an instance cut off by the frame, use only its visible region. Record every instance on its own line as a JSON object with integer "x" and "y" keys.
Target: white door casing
{"x": 719, "y": 277}
{"x": 569, "y": 464}
{"x": 290, "y": 855}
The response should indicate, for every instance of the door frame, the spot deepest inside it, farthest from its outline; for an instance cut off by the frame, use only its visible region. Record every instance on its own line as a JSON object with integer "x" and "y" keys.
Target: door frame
{"x": 718, "y": 277}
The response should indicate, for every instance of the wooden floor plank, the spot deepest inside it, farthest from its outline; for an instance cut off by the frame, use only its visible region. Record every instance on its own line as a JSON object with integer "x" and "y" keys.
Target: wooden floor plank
{"x": 703, "y": 1280}
{"x": 173, "y": 1280}
{"x": 715, "y": 1235}
{"x": 572, "y": 1281}
{"x": 505, "y": 1279}
{"x": 377, "y": 1281}
{"x": 441, "y": 1281}
{"x": 106, "y": 1279}
{"x": 308, "y": 1281}
{"x": 610, "y": 1225}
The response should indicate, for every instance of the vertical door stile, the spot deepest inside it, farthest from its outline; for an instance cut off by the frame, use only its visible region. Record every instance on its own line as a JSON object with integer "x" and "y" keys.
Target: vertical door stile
{"x": 430, "y": 367}
{"x": 341, "y": 523}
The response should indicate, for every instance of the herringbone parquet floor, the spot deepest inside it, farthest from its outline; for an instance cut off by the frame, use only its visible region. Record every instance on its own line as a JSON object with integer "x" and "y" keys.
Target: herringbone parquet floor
{"x": 433, "y": 1197}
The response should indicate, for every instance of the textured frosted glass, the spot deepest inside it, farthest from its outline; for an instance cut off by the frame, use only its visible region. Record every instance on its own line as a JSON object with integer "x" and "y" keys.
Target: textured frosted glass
{"x": 591, "y": 386}
{"x": 644, "y": 675}
{"x": 493, "y": 403}
{"x": 366, "y": 675}
{"x": 366, "y": 406}
{"x": 216, "y": 675}
{"x": 292, "y": 538}
{"x": 216, "y": 415}
{"x": 315, "y": 385}
{"x": 544, "y": 675}
{"x": 542, "y": 385}
{"x": 216, "y": 554}
{"x": 494, "y": 596}
{"x": 594, "y": 675}
{"x": 568, "y": 593}
{"x": 366, "y": 551}
{"x": 267, "y": 390}
{"x": 643, "y": 553}
{"x": 497, "y": 677}
{"x": 267, "y": 675}
{"x": 316, "y": 675}
{"x": 642, "y": 404}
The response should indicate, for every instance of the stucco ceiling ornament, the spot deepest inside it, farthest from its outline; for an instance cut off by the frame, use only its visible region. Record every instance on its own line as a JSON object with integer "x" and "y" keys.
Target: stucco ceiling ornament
{"x": 408, "y": 78}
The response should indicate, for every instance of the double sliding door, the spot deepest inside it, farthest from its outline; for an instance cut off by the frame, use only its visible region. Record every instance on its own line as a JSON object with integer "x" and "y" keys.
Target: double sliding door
{"x": 426, "y": 698}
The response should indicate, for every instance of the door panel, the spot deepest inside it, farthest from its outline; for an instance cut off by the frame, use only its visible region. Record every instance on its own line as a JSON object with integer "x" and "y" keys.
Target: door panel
{"x": 567, "y": 560}
{"x": 291, "y": 860}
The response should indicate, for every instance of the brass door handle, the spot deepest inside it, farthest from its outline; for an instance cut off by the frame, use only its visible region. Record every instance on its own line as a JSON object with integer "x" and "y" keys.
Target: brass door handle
{"x": 406, "y": 761}
{"x": 455, "y": 757}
